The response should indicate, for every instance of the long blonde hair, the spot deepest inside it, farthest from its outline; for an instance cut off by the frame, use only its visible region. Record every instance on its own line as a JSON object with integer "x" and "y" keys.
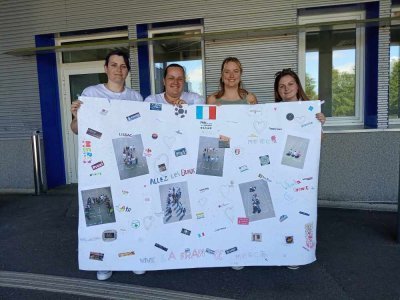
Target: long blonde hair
{"x": 241, "y": 91}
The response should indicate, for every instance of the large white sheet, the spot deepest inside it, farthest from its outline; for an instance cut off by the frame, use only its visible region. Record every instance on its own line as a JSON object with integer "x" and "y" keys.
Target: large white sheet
{"x": 162, "y": 187}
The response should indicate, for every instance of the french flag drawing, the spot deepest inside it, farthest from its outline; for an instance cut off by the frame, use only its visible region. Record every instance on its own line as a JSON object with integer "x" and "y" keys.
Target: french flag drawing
{"x": 206, "y": 112}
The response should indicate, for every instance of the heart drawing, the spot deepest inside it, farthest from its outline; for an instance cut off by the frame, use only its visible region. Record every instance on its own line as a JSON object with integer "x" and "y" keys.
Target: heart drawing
{"x": 300, "y": 120}
{"x": 169, "y": 141}
{"x": 260, "y": 126}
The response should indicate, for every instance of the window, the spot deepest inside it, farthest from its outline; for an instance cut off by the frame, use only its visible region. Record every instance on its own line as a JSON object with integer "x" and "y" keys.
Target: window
{"x": 93, "y": 49}
{"x": 330, "y": 65}
{"x": 394, "y": 79}
{"x": 181, "y": 46}
{"x": 111, "y": 41}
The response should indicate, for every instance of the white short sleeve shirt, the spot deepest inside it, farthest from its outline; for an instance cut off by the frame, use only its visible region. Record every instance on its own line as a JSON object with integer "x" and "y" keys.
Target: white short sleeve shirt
{"x": 101, "y": 91}
{"x": 188, "y": 97}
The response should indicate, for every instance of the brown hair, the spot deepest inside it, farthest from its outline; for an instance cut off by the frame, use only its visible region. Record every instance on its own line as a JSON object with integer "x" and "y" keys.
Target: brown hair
{"x": 301, "y": 95}
{"x": 118, "y": 53}
{"x": 174, "y": 66}
{"x": 241, "y": 91}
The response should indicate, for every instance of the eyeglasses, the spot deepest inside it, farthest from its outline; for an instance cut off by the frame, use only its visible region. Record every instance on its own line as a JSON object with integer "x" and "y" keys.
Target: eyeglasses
{"x": 284, "y": 72}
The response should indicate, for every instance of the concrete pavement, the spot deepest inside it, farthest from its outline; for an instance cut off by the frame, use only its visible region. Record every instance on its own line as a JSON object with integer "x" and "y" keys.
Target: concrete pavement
{"x": 357, "y": 258}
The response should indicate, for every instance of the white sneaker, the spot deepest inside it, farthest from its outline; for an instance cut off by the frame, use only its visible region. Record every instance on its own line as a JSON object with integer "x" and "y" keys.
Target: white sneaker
{"x": 103, "y": 275}
{"x": 293, "y": 267}
{"x": 139, "y": 272}
{"x": 238, "y": 268}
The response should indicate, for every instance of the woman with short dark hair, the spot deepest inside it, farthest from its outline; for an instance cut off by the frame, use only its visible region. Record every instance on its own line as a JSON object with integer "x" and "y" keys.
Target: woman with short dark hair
{"x": 174, "y": 83}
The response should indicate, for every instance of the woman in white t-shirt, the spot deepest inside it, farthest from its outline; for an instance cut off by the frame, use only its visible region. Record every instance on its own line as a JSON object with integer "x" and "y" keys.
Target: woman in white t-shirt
{"x": 116, "y": 67}
{"x": 174, "y": 83}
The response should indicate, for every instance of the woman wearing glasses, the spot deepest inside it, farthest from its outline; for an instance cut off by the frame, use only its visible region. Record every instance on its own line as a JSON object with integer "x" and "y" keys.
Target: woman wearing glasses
{"x": 230, "y": 85}
{"x": 287, "y": 87}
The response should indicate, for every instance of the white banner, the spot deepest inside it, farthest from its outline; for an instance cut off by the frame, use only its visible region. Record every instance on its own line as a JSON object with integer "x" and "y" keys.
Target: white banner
{"x": 164, "y": 187}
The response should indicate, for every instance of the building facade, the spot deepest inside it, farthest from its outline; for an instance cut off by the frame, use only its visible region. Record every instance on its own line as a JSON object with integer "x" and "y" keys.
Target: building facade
{"x": 345, "y": 52}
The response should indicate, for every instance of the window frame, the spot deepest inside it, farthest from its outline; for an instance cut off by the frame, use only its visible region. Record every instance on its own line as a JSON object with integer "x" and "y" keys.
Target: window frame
{"x": 394, "y": 13}
{"x": 154, "y": 31}
{"x": 358, "y": 118}
{"x": 88, "y": 37}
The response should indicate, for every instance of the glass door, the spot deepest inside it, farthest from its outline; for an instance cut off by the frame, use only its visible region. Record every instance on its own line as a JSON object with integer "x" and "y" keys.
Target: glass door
{"x": 75, "y": 78}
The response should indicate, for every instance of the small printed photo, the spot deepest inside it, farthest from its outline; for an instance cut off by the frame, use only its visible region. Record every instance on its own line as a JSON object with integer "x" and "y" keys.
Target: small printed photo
{"x": 162, "y": 168}
{"x": 98, "y": 206}
{"x": 186, "y": 231}
{"x": 264, "y": 160}
{"x": 161, "y": 163}
{"x": 256, "y": 237}
{"x": 224, "y": 141}
{"x": 175, "y": 202}
{"x": 133, "y": 116}
{"x": 96, "y": 256}
{"x": 180, "y": 152}
{"x": 257, "y": 200}
{"x": 156, "y": 106}
{"x": 129, "y": 155}
{"x": 210, "y": 157}
{"x": 295, "y": 151}
{"x": 243, "y": 168}
{"x": 94, "y": 133}
{"x": 109, "y": 235}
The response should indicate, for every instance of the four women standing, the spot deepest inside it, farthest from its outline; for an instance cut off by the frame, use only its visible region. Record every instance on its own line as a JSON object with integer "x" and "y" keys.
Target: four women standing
{"x": 287, "y": 87}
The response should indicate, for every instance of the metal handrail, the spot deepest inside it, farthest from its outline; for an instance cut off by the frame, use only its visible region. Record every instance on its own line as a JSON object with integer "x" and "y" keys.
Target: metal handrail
{"x": 37, "y": 163}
